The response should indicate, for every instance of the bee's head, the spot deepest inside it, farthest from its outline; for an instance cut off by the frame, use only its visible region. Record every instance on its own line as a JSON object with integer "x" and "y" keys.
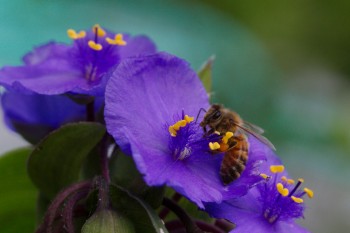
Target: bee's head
{"x": 213, "y": 116}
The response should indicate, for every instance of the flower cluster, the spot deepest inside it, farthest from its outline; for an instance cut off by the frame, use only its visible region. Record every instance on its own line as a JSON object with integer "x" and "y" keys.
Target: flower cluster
{"x": 152, "y": 104}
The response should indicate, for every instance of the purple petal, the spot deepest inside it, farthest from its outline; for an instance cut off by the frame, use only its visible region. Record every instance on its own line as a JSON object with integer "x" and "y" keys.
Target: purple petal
{"x": 136, "y": 46}
{"x": 53, "y": 76}
{"x": 57, "y": 68}
{"x": 243, "y": 213}
{"x": 159, "y": 169}
{"x": 34, "y": 115}
{"x": 144, "y": 94}
{"x": 246, "y": 214}
{"x": 289, "y": 227}
{"x": 143, "y": 97}
{"x": 45, "y": 52}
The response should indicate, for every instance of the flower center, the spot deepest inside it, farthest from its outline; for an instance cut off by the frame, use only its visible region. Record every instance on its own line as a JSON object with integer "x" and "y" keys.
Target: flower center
{"x": 186, "y": 138}
{"x": 95, "y": 51}
{"x": 282, "y": 199}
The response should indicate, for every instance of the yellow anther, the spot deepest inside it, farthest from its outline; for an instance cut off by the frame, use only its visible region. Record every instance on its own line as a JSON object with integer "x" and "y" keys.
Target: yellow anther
{"x": 214, "y": 146}
{"x": 94, "y": 45}
{"x": 188, "y": 119}
{"x": 276, "y": 168}
{"x": 179, "y": 124}
{"x": 172, "y": 131}
{"x": 227, "y": 136}
{"x": 263, "y": 175}
{"x": 297, "y": 199}
{"x": 288, "y": 181}
{"x": 118, "y": 40}
{"x": 301, "y": 180}
{"x": 309, "y": 192}
{"x": 74, "y": 35}
{"x": 283, "y": 191}
{"x": 217, "y": 132}
{"x": 100, "y": 31}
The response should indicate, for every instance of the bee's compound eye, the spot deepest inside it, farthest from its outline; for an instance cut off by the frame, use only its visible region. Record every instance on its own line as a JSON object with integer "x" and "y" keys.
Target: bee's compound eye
{"x": 216, "y": 115}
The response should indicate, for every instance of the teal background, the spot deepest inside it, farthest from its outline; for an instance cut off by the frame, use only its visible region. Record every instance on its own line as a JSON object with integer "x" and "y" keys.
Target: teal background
{"x": 283, "y": 66}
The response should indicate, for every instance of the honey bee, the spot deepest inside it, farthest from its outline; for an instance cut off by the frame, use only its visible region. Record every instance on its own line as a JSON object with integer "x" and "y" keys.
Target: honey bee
{"x": 221, "y": 120}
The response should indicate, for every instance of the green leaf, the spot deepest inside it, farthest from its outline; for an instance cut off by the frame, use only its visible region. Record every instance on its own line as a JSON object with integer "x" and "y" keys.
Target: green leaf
{"x": 205, "y": 74}
{"x": 17, "y": 194}
{"x": 144, "y": 218}
{"x": 189, "y": 207}
{"x": 125, "y": 174}
{"x": 57, "y": 160}
{"x": 123, "y": 170}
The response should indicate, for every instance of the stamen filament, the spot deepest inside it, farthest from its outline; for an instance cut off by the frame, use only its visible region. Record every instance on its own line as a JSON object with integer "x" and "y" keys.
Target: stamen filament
{"x": 98, "y": 30}
{"x": 300, "y": 181}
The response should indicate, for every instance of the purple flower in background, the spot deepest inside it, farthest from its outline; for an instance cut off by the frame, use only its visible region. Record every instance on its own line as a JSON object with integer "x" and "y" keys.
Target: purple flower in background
{"x": 79, "y": 68}
{"x": 34, "y": 116}
{"x": 151, "y": 102}
{"x": 271, "y": 206}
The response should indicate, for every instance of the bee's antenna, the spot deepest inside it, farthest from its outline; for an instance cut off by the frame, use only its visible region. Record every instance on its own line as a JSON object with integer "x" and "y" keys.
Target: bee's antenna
{"x": 200, "y": 110}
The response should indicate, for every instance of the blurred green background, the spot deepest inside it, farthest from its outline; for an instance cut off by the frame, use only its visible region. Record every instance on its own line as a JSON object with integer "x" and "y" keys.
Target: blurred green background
{"x": 283, "y": 65}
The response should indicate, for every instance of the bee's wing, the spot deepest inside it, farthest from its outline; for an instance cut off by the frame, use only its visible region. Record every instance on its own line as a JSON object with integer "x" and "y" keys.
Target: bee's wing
{"x": 257, "y": 135}
{"x": 253, "y": 127}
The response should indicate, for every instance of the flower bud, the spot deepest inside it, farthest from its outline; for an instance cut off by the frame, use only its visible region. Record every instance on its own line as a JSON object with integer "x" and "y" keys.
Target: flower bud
{"x": 107, "y": 221}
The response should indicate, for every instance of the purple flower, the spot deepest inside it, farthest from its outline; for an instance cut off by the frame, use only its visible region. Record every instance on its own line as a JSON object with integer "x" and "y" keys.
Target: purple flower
{"x": 271, "y": 206}
{"x": 56, "y": 68}
{"x": 151, "y": 102}
{"x": 34, "y": 116}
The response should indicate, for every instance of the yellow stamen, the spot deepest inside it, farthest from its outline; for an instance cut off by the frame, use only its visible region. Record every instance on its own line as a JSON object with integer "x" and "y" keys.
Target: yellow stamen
{"x": 118, "y": 40}
{"x": 172, "y": 131}
{"x": 179, "y": 124}
{"x": 288, "y": 181}
{"x": 94, "y": 45}
{"x": 301, "y": 180}
{"x": 74, "y": 35}
{"x": 297, "y": 199}
{"x": 227, "y": 136}
{"x": 188, "y": 119}
{"x": 263, "y": 175}
{"x": 309, "y": 192}
{"x": 283, "y": 191}
{"x": 100, "y": 31}
{"x": 214, "y": 146}
{"x": 182, "y": 123}
{"x": 276, "y": 168}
